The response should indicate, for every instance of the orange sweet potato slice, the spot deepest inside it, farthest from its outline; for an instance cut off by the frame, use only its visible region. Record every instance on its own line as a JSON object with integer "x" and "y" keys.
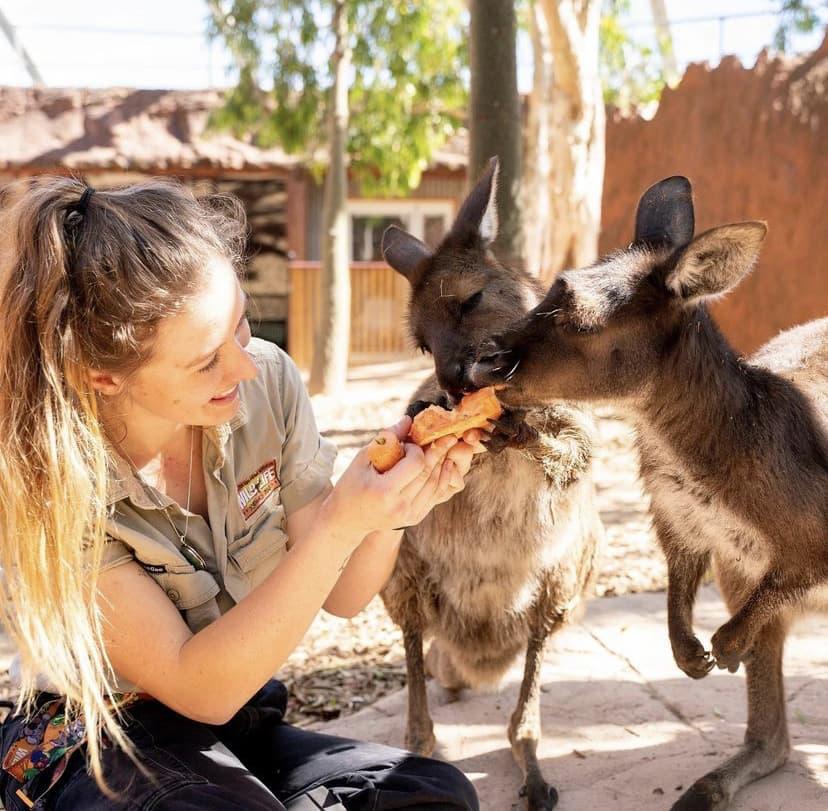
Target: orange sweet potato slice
{"x": 474, "y": 411}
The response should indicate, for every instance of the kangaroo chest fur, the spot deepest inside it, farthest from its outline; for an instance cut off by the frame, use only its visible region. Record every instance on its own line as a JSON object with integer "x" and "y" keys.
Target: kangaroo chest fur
{"x": 695, "y": 513}
{"x": 489, "y": 549}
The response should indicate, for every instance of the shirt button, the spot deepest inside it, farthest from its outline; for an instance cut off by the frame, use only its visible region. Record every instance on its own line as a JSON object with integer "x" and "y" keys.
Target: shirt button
{"x": 173, "y": 595}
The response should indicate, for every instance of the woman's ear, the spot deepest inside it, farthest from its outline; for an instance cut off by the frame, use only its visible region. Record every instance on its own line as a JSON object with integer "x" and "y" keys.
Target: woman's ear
{"x": 105, "y": 383}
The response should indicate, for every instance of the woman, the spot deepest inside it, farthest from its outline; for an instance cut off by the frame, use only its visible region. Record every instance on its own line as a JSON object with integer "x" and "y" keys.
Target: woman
{"x": 168, "y": 525}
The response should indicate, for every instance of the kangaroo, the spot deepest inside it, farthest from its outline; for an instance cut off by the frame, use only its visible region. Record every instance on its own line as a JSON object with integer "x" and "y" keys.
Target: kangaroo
{"x": 734, "y": 453}
{"x": 508, "y": 560}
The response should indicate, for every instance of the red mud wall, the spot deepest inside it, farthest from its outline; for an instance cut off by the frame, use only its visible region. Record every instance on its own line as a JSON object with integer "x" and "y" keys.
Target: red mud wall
{"x": 754, "y": 143}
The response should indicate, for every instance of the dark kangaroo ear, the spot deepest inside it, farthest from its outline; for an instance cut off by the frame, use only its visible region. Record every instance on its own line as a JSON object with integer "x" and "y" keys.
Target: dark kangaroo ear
{"x": 665, "y": 214}
{"x": 478, "y": 214}
{"x": 716, "y": 261}
{"x": 405, "y": 253}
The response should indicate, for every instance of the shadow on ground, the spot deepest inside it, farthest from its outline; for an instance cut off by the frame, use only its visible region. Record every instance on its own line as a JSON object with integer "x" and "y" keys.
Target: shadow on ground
{"x": 622, "y": 727}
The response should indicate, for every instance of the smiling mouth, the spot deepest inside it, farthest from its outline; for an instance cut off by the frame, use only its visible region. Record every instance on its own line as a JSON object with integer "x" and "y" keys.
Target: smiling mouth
{"x": 228, "y": 395}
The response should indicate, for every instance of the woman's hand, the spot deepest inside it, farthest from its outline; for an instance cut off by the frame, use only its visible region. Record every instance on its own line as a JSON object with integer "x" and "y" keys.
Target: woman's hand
{"x": 364, "y": 501}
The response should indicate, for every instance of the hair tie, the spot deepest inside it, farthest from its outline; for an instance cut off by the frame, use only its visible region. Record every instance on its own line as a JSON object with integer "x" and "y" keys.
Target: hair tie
{"x": 75, "y": 215}
{"x": 81, "y": 205}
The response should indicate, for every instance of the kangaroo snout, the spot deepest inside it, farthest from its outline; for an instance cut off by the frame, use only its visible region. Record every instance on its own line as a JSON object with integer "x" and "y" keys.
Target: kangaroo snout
{"x": 494, "y": 364}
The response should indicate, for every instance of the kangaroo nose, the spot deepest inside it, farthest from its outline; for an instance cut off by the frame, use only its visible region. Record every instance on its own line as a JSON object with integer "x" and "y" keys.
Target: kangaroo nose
{"x": 451, "y": 379}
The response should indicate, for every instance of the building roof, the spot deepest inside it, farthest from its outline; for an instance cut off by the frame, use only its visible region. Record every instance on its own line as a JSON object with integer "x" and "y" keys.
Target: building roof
{"x": 121, "y": 128}
{"x": 135, "y": 130}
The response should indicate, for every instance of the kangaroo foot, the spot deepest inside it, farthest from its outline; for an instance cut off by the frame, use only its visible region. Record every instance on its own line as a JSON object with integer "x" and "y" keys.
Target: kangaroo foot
{"x": 731, "y": 645}
{"x": 715, "y": 790}
{"x": 691, "y": 657}
{"x": 539, "y": 795}
{"x": 707, "y": 794}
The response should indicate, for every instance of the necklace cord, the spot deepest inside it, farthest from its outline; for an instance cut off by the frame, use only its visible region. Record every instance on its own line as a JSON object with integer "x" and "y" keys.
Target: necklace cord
{"x": 190, "y": 553}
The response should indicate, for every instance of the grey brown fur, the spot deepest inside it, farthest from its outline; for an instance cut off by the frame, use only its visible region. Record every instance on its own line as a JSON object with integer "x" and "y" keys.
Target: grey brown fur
{"x": 734, "y": 453}
{"x": 509, "y": 560}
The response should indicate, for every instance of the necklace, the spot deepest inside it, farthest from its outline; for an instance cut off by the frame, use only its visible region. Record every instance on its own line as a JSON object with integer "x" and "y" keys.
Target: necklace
{"x": 190, "y": 554}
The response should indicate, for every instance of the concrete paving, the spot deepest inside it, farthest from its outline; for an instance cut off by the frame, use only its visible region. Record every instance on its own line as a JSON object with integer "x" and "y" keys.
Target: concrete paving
{"x": 623, "y": 728}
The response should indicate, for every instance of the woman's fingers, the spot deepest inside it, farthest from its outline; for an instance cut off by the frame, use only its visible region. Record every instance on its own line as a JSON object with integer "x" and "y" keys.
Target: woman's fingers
{"x": 462, "y": 454}
{"x": 412, "y": 467}
{"x": 435, "y": 489}
{"x": 402, "y": 428}
{"x": 473, "y": 438}
{"x": 433, "y": 457}
{"x": 452, "y": 481}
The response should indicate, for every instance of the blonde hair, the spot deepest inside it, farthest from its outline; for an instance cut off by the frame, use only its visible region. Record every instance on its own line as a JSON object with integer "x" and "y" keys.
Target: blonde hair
{"x": 79, "y": 290}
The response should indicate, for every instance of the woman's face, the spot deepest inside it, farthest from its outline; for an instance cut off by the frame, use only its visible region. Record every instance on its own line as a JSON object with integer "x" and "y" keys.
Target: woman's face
{"x": 198, "y": 356}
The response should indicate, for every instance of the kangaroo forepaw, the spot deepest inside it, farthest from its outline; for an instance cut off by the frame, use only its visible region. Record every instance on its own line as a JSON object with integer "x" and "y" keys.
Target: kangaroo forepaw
{"x": 511, "y": 431}
{"x": 691, "y": 657}
{"x": 540, "y": 796}
{"x": 706, "y": 794}
{"x": 731, "y": 646}
{"x": 417, "y": 406}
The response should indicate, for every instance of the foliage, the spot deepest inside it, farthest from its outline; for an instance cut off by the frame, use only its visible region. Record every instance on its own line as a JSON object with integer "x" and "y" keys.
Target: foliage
{"x": 632, "y": 74}
{"x": 797, "y": 16}
{"x": 407, "y": 96}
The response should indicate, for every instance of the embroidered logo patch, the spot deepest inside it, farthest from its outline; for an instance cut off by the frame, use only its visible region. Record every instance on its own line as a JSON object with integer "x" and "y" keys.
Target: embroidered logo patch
{"x": 254, "y": 491}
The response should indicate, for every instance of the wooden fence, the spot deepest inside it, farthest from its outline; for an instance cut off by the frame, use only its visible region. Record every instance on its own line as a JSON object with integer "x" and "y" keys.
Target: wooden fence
{"x": 379, "y": 298}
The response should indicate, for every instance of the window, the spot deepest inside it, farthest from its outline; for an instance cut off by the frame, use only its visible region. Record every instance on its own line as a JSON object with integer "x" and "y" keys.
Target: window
{"x": 366, "y": 236}
{"x": 428, "y": 220}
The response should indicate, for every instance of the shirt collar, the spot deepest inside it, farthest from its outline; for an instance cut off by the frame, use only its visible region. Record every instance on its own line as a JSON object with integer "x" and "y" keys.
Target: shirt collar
{"x": 122, "y": 482}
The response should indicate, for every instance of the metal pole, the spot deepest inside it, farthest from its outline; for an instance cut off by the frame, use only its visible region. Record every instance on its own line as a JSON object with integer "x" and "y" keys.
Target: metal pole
{"x": 17, "y": 47}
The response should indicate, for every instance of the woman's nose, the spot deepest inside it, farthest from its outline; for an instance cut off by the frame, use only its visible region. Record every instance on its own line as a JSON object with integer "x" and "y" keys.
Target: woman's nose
{"x": 245, "y": 366}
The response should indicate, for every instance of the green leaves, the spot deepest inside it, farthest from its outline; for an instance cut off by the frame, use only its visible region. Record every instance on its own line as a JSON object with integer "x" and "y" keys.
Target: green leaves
{"x": 631, "y": 74}
{"x": 796, "y": 15}
{"x": 407, "y": 95}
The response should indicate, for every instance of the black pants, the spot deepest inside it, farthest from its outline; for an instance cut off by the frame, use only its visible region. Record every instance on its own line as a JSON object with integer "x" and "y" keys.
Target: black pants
{"x": 254, "y": 762}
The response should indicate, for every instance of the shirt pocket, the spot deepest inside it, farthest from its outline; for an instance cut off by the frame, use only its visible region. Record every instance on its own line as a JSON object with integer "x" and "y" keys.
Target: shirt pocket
{"x": 256, "y": 553}
{"x": 192, "y": 591}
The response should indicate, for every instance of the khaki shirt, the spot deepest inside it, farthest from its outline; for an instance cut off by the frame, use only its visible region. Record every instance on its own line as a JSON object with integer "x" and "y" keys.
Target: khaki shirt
{"x": 258, "y": 469}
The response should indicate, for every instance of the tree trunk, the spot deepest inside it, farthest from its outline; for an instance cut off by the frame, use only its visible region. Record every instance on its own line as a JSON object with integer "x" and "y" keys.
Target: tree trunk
{"x": 537, "y": 171}
{"x": 665, "y": 42}
{"x": 330, "y": 357}
{"x": 495, "y": 115}
{"x": 574, "y": 111}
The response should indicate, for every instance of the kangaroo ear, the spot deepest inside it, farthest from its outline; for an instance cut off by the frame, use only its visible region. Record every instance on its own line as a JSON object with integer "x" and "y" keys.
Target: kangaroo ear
{"x": 665, "y": 214}
{"x": 405, "y": 253}
{"x": 716, "y": 261}
{"x": 478, "y": 214}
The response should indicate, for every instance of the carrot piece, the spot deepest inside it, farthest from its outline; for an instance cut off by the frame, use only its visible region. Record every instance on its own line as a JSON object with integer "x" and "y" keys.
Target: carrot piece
{"x": 385, "y": 451}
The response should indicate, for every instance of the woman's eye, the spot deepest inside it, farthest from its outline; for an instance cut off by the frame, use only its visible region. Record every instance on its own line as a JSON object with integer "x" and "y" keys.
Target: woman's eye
{"x": 211, "y": 365}
{"x": 244, "y": 329}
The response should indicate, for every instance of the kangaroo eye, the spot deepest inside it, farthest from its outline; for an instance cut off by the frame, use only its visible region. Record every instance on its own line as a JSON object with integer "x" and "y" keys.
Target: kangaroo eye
{"x": 471, "y": 302}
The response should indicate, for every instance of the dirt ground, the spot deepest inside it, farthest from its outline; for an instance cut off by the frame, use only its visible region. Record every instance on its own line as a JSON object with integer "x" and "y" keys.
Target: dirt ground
{"x": 344, "y": 665}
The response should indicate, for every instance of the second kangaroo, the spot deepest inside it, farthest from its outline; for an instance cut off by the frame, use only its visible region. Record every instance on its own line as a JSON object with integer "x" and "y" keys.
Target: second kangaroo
{"x": 734, "y": 453}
